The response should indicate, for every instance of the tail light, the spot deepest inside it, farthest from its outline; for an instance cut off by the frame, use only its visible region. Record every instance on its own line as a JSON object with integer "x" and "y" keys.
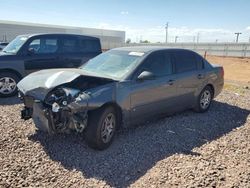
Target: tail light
{"x": 222, "y": 72}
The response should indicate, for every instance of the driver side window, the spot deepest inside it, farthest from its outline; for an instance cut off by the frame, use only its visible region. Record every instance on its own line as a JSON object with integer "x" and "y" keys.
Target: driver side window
{"x": 43, "y": 46}
{"x": 159, "y": 63}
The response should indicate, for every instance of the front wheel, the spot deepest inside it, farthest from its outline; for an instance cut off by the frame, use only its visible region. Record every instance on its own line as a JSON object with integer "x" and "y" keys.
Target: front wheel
{"x": 8, "y": 84}
{"x": 102, "y": 124}
{"x": 204, "y": 100}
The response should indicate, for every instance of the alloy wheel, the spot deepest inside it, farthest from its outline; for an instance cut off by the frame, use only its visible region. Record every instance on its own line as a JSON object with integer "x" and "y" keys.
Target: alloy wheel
{"x": 108, "y": 127}
{"x": 7, "y": 85}
{"x": 205, "y": 99}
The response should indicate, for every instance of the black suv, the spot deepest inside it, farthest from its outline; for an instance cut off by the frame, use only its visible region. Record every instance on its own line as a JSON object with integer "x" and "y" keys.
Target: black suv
{"x": 29, "y": 53}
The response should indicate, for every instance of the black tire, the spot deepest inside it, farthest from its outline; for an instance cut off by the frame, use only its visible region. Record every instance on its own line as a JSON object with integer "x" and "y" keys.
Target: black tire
{"x": 200, "y": 105}
{"x": 93, "y": 132}
{"x": 14, "y": 79}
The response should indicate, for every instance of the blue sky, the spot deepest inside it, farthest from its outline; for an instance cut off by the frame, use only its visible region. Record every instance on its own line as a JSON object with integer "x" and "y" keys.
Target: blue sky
{"x": 212, "y": 19}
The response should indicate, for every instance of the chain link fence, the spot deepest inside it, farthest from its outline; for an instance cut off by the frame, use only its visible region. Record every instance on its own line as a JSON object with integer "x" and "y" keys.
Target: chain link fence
{"x": 219, "y": 49}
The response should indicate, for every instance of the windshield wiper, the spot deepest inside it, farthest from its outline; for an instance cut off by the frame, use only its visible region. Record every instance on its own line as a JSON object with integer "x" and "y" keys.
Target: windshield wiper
{"x": 7, "y": 52}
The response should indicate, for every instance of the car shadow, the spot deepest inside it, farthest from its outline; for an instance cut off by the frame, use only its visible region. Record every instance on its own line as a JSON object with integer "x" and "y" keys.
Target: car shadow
{"x": 136, "y": 150}
{"x": 10, "y": 101}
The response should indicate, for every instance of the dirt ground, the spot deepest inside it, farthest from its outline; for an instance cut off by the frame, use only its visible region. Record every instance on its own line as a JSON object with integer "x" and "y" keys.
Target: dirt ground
{"x": 236, "y": 69}
{"x": 184, "y": 150}
{"x": 187, "y": 149}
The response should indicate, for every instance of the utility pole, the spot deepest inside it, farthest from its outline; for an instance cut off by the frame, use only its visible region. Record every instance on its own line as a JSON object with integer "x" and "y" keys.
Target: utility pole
{"x": 166, "y": 32}
{"x": 193, "y": 39}
{"x": 141, "y": 39}
{"x": 176, "y": 37}
{"x": 237, "y": 36}
{"x": 198, "y": 37}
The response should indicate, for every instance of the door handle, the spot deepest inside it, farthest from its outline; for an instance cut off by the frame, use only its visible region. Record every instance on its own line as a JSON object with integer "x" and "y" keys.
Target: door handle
{"x": 200, "y": 76}
{"x": 171, "y": 82}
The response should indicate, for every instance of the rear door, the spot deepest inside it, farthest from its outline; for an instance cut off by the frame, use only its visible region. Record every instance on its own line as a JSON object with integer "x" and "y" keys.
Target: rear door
{"x": 89, "y": 48}
{"x": 69, "y": 51}
{"x": 77, "y": 50}
{"x": 154, "y": 96}
{"x": 41, "y": 53}
{"x": 189, "y": 77}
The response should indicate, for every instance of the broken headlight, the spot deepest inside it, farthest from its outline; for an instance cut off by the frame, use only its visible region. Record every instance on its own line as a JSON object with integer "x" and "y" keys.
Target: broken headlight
{"x": 62, "y": 117}
{"x": 61, "y": 97}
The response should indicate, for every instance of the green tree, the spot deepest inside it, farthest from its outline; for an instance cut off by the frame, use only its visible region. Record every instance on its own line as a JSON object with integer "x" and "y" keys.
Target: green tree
{"x": 128, "y": 41}
{"x": 144, "y": 41}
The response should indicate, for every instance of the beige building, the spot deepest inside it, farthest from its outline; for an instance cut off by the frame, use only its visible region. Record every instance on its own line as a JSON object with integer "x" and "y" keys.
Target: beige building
{"x": 109, "y": 38}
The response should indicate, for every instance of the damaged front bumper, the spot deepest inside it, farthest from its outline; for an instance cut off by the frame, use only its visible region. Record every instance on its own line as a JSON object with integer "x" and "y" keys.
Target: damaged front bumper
{"x": 72, "y": 116}
{"x": 41, "y": 116}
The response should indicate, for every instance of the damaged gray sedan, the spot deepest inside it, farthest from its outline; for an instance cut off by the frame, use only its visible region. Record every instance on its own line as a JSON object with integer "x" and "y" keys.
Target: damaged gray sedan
{"x": 118, "y": 88}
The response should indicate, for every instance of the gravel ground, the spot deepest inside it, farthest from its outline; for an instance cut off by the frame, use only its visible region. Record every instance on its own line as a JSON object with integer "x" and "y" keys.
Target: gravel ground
{"x": 184, "y": 150}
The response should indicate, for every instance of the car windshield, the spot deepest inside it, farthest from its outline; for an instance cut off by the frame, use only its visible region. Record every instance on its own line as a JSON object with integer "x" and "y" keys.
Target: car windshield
{"x": 15, "y": 45}
{"x": 114, "y": 63}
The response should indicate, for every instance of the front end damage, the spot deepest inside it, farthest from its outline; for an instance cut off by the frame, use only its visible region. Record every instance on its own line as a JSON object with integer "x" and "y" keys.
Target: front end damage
{"x": 63, "y": 110}
{"x": 65, "y": 107}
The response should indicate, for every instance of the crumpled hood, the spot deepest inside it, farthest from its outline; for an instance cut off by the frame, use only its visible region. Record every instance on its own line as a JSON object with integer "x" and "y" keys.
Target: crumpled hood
{"x": 40, "y": 83}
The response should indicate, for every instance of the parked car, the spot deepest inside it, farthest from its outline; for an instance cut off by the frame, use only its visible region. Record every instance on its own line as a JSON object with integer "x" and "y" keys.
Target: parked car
{"x": 118, "y": 88}
{"x": 29, "y": 53}
{"x": 2, "y": 45}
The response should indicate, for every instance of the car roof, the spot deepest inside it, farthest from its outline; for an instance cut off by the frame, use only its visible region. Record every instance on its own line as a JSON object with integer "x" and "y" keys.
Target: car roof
{"x": 148, "y": 49}
{"x": 59, "y": 34}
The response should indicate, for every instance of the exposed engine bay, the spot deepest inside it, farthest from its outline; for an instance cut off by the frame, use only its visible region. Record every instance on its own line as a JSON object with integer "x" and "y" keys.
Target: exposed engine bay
{"x": 64, "y": 108}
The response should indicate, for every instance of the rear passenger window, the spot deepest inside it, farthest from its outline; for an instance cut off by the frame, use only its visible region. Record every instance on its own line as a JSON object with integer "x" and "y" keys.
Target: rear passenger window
{"x": 200, "y": 62}
{"x": 89, "y": 46}
{"x": 69, "y": 45}
{"x": 185, "y": 61}
{"x": 159, "y": 63}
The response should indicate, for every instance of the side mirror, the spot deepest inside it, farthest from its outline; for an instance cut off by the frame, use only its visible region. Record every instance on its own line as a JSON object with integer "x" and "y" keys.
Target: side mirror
{"x": 146, "y": 75}
{"x": 31, "y": 51}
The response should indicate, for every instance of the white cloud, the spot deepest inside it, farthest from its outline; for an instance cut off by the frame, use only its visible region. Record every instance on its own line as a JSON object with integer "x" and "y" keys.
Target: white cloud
{"x": 248, "y": 28}
{"x": 185, "y": 34}
{"x": 124, "y": 12}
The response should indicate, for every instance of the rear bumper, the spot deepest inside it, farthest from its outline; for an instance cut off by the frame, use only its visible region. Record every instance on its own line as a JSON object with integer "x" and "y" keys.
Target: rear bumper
{"x": 218, "y": 88}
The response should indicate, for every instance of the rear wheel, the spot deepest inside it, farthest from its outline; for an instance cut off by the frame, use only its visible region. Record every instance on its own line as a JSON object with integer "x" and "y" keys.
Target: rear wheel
{"x": 8, "y": 84}
{"x": 204, "y": 100}
{"x": 102, "y": 124}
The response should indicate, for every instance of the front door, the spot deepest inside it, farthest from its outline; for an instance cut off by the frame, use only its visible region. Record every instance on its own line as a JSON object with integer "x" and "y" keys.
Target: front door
{"x": 42, "y": 53}
{"x": 156, "y": 95}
